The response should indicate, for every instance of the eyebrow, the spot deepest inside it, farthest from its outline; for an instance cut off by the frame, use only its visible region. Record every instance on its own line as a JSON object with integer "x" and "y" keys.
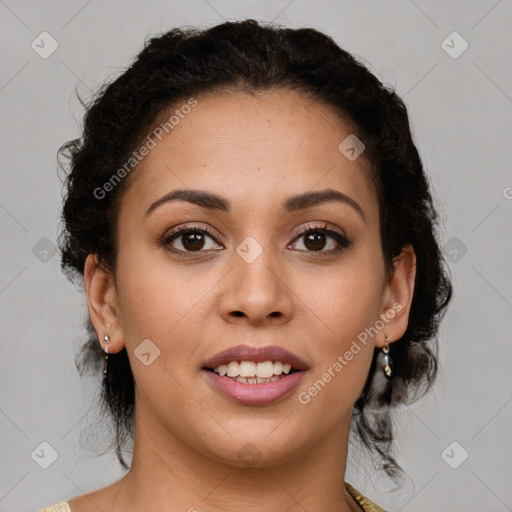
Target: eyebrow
{"x": 212, "y": 201}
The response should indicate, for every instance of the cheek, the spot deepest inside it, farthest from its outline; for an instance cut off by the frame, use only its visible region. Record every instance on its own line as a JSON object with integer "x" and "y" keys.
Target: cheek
{"x": 347, "y": 298}
{"x": 167, "y": 304}
{"x": 157, "y": 304}
{"x": 348, "y": 304}
{"x": 154, "y": 296}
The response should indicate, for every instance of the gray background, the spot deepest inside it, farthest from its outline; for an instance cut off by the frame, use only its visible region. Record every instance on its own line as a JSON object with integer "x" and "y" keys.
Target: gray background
{"x": 460, "y": 110}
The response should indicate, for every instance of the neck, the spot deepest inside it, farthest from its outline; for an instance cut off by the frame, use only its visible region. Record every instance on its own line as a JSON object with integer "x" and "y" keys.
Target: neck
{"x": 165, "y": 472}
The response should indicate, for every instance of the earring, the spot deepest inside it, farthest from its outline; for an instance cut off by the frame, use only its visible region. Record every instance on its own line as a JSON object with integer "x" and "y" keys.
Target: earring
{"x": 388, "y": 370}
{"x": 106, "y": 339}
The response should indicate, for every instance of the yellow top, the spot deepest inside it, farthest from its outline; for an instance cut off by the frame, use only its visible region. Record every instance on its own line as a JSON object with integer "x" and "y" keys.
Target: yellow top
{"x": 365, "y": 504}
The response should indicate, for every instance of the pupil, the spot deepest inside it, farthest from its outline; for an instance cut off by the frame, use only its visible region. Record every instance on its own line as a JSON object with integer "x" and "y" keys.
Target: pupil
{"x": 197, "y": 241}
{"x": 315, "y": 240}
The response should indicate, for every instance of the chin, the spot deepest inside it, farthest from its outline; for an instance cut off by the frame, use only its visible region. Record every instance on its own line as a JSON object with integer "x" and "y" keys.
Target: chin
{"x": 261, "y": 450}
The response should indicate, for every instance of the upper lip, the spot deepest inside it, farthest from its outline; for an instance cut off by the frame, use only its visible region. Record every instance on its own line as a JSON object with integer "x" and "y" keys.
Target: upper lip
{"x": 256, "y": 354}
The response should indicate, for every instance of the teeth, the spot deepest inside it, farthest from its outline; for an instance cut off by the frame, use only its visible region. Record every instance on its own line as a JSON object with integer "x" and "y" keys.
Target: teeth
{"x": 265, "y": 370}
{"x": 233, "y": 369}
{"x": 249, "y": 370}
{"x": 257, "y": 380}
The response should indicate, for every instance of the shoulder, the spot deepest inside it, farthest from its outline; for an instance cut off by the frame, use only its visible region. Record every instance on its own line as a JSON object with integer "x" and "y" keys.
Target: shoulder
{"x": 365, "y": 504}
{"x": 63, "y": 506}
{"x": 92, "y": 501}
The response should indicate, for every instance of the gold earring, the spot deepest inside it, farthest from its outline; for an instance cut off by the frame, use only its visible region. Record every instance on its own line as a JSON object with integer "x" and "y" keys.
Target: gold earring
{"x": 388, "y": 367}
{"x": 106, "y": 339}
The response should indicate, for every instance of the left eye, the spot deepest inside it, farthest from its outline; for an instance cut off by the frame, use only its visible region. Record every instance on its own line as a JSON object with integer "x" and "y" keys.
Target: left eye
{"x": 315, "y": 240}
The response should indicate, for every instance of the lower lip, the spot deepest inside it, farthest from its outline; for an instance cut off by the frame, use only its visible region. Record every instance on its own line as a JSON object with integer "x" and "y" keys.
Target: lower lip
{"x": 255, "y": 394}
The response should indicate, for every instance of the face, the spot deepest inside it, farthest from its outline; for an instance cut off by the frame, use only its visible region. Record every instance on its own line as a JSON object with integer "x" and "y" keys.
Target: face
{"x": 245, "y": 272}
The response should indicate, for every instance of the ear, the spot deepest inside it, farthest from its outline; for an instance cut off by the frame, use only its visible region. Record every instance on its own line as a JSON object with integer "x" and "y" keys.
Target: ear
{"x": 397, "y": 297}
{"x": 103, "y": 307}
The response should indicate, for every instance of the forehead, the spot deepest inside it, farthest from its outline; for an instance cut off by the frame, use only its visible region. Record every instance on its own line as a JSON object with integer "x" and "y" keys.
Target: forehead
{"x": 253, "y": 149}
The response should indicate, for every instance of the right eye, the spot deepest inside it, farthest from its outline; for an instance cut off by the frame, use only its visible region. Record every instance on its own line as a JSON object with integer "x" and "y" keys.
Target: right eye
{"x": 191, "y": 238}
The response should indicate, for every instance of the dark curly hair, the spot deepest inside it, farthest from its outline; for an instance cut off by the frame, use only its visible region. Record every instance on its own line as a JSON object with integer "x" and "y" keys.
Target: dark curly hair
{"x": 252, "y": 56}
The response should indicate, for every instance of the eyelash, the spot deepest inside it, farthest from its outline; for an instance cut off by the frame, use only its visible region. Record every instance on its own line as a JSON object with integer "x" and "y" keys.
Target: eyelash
{"x": 340, "y": 238}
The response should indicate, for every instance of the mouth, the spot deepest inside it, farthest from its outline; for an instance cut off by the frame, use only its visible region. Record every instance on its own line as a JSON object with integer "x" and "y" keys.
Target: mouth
{"x": 255, "y": 375}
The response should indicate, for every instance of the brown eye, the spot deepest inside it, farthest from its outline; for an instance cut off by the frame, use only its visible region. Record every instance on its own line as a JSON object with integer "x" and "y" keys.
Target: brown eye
{"x": 315, "y": 239}
{"x": 193, "y": 241}
{"x": 189, "y": 240}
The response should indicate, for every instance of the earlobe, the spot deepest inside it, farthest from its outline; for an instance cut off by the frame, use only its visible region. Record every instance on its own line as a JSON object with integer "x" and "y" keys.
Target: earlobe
{"x": 102, "y": 302}
{"x": 400, "y": 291}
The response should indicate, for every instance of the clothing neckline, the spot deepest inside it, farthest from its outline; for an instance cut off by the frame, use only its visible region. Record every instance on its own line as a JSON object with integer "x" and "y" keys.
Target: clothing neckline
{"x": 362, "y": 501}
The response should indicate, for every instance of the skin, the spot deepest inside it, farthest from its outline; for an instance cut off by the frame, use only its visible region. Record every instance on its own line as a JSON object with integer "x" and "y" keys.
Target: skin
{"x": 255, "y": 152}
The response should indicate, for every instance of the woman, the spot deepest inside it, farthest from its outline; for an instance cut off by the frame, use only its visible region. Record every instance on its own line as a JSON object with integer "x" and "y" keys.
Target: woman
{"x": 255, "y": 232}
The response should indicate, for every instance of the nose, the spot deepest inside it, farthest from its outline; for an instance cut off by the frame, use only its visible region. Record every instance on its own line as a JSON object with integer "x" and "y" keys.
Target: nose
{"x": 257, "y": 292}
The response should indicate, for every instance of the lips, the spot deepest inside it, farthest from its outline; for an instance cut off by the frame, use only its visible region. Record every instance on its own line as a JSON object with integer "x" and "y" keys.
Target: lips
{"x": 256, "y": 354}
{"x": 255, "y": 393}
